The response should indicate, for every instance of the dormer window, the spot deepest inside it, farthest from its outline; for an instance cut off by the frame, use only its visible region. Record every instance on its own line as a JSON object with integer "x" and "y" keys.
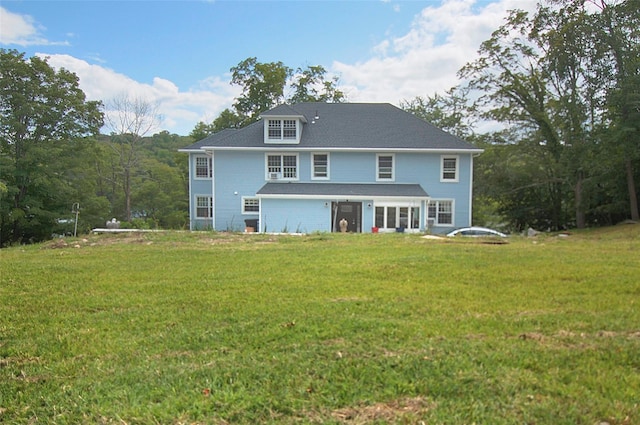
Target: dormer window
{"x": 282, "y": 130}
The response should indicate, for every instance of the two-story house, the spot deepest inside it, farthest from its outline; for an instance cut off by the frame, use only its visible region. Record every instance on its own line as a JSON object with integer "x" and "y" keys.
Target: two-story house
{"x": 306, "y": 167}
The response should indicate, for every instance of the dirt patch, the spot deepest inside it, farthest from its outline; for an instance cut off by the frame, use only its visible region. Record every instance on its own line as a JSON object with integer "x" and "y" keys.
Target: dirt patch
{"x": 407, "y": 410}
{"x": 534, "y": 336}
{"x": 433, "y": 237}
{"x": 56, "y": 244}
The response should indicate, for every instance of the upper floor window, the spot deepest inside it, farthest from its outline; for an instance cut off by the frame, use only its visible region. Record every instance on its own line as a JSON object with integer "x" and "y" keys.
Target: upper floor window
{"x": 203, "y": 167}
{"x": 384, "y": 167}
{"x": 281, "y": 130}
{"x": 282, "y": 167}
{"x": 449, "y": 168}
{"x": 320, "y": 166}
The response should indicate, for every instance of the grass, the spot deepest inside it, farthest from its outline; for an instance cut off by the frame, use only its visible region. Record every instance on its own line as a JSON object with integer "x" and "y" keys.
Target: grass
{"x": 207, "y": 328}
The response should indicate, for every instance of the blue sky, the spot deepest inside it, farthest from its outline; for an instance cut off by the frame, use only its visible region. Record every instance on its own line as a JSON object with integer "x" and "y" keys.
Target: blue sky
{"x": 178, "y": 53}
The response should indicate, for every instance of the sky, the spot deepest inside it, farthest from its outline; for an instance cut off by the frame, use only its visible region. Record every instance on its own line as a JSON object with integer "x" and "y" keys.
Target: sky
{"x": 178, "y": 54}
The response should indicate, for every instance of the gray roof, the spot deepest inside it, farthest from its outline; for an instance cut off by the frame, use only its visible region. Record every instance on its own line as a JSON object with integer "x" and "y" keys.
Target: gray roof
{"x": 344, "y": 190}
{"x": 343, "y": 126}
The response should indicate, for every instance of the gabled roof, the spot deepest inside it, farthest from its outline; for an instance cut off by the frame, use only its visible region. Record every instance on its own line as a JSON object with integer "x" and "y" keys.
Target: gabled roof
{"x": 211, "y": 139}
{"x": 350, "y": 190}
{"x": 283, "y": 111}
{"x": 376, "y": 126}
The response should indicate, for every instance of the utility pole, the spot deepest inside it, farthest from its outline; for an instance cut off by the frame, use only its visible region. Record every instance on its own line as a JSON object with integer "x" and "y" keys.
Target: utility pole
{"x": 75, "y": 209}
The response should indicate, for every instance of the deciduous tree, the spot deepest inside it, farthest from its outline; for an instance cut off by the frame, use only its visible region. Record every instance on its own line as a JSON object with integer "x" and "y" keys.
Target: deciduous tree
{"x": 129, "y": 121}
{"x": 45, "y": 119}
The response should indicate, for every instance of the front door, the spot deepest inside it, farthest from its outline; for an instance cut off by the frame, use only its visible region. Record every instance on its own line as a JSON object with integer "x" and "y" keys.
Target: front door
{"x": 349, "y": 211}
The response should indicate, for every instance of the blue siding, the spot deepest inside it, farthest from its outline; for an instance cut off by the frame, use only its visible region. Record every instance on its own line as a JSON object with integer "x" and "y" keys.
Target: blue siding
{"x": 293, "y": 216}
{"x": 241, "y": 174}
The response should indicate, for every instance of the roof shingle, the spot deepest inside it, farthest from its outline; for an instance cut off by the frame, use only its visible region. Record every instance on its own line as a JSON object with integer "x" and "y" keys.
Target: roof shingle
{"x": 344, "y": 126}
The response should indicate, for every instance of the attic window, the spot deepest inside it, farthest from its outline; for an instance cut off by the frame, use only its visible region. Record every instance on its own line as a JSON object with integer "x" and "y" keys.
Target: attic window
{"x": 282, "y": 129}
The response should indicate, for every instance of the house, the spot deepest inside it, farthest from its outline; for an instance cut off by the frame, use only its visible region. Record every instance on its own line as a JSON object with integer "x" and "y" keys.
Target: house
{"x": 306, "y": 167}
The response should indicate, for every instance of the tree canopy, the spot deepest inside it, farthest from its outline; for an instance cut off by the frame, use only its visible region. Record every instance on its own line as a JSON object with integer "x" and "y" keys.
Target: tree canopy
{"x": 562, "y": 83}
{"x": 264, "y": 86}
{"x": 45, "y": 121}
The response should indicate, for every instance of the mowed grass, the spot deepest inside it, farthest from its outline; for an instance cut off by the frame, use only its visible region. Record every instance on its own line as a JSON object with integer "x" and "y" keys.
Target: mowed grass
{"x": 177, "y": 328}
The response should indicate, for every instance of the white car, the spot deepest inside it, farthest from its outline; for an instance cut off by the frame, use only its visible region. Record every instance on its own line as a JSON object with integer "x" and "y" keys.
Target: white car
{"x": 476, "y": 232}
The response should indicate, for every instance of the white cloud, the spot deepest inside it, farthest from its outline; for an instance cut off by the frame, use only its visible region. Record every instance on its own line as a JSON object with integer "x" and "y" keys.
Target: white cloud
{"x": 22, "y": 30}
{"x": 181, "y": 109}
{"x": 426, "y": 59}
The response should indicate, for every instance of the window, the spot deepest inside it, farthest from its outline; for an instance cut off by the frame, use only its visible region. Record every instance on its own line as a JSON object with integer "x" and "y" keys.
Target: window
{"x": 441, "y": 212}
{"x": 203, "y": 167}
{"x": 380, "y": 217}
{"x": 282, "y": 130}
{"x": 250, "y": 205}
{"x": 385, "y": 167}
{"x": 204, "y": 207}
{"x": 289, "y": 129}
{"x": 391, "y": 217}
{"x": 282, "y": 167}
{"x": 320, "y": 166}
{"x": 449, "y": 169}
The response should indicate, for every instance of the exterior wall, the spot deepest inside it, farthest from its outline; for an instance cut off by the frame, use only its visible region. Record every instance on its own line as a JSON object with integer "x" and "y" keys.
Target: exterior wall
{"x": 237, "y": 175}
{"x": 295, "y": 216}
{"x": 197, "y": 187}
{"x": 241, "y": 174}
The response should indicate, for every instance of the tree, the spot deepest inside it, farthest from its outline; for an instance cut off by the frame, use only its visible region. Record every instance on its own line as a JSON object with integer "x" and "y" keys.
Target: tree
{"x": 263, "y": 87}
{"x": 311, "y": 85}
{"x": 541, "y": 74}
{"x": 44, "y": 120}
{"x": 129, "y": 120}
{"x": 619, "y": 30}
{"x": 451, "y": 112}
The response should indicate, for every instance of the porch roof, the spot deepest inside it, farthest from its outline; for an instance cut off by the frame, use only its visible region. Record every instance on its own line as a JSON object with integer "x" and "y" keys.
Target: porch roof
{"x": 342, "y": 190}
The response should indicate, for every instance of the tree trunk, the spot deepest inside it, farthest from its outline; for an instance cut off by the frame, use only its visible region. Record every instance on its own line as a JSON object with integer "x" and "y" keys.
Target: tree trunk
{"x": 631, "y": 187}
{"x": 127, "y": 193}
{"x": 580, "y": 215}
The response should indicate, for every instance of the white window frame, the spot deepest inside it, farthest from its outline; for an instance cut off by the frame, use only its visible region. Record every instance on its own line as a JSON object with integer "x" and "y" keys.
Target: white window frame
{"x": 245, "y": 200}
{"x": 445, "y": 172}
{"x": 412, "y": 210}
{"x": 198, "y": 207}
{"x": 436, "y": 218}
{"x": 281, "y": 169}
{"x": 209, "y": 162}
{"x": 313, "y": 166}
{"x": 284, "y": 130}
{"x": 393, "y": 167}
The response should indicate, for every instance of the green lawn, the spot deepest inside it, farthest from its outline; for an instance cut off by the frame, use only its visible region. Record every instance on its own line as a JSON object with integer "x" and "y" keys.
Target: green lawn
{"x": 180, "y": 328}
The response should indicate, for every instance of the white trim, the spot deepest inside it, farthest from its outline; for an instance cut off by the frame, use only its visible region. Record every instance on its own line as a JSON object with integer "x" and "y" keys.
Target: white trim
{"x": 243, "y": 205}
{"x": 282, "y": 140}
{"x": 396, "y": 207}
{"x": 209, "y": 166}
{"x": 213, "y": 192}
{"x": 191, "y": 197}
{"x": 453, "y": 212}
{"x": 333, "y": 149}
{"x": 393, "y": 167}
{"x": 267, "y": 174}
{"x": 457, "y": 170}
{"x": 209, "y": 207}
{"x": 470, "y": 190}
{"x": 312, "y": 157}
